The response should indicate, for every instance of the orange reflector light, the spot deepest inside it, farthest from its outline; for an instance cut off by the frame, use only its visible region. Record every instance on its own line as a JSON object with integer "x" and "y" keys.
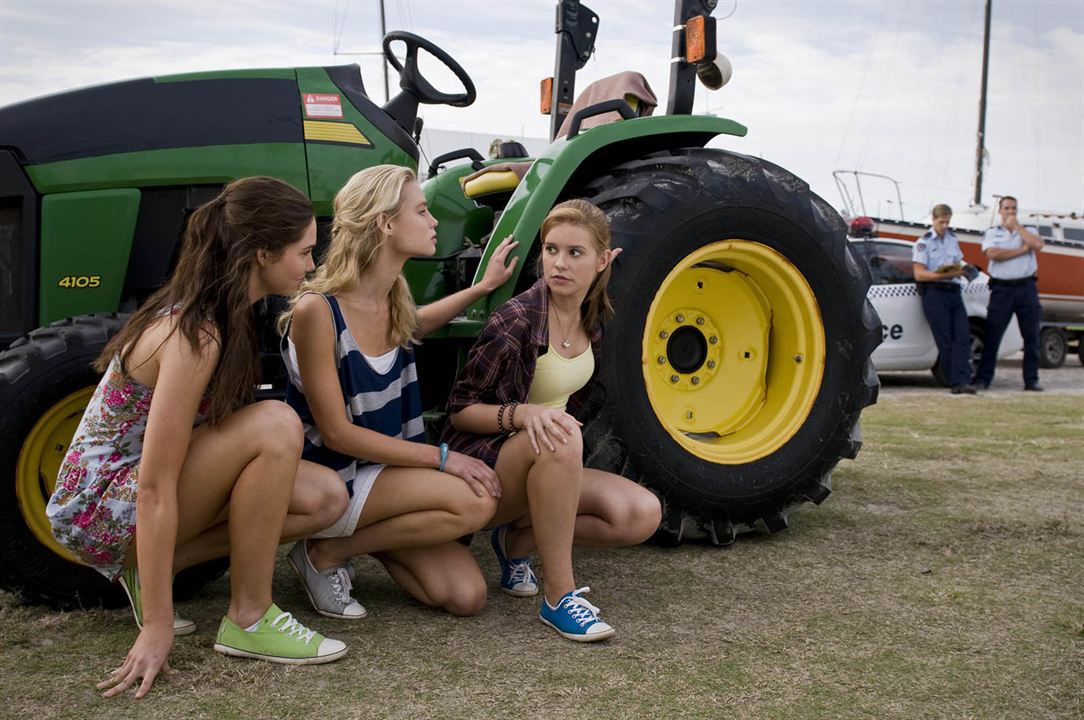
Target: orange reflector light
{"x": 546, "y": 101}
{"x": 699, "y": 39}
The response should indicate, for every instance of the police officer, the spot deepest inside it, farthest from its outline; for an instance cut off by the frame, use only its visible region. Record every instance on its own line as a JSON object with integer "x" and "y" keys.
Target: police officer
{"x": 1011, "y": 248}
{"x": 938, "y": 265}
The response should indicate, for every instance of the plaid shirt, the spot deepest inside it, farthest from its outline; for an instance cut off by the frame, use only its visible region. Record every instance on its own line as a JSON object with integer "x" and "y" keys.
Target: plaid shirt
{"x": 500, "y": 368}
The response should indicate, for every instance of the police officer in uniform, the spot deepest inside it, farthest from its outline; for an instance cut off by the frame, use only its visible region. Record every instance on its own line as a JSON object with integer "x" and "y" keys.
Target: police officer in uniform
{"x": 938, "y": 266}
{"x": 1011, "y": 248}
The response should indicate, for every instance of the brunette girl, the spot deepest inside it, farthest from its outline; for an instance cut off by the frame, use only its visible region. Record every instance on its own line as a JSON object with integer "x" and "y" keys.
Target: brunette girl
{"x": 171, "y": 465}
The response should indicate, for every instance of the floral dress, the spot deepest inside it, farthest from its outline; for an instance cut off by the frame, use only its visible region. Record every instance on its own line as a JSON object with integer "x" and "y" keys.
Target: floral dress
{"x": 93, "y": 508}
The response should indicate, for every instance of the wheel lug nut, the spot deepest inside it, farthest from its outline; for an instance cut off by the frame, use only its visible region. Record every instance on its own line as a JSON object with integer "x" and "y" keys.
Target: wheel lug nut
{"x": 695, "y": 380}
{"x": 674, "y": 378}
{"x": 680, "y": 318}
{"x": 663, "y": 334}
{"x": 713, "y": 339}
{"x": 662, "y": 359}
{"x": 711, "y": 364}
{"x": 700, "y": 321}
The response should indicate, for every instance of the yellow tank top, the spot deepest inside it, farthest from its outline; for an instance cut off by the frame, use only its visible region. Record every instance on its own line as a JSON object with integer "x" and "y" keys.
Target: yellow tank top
{"x": 556, "y": 377}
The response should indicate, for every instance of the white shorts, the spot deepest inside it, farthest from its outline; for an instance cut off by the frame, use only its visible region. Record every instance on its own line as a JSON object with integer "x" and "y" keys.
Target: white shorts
{"x": 348, "y": 523}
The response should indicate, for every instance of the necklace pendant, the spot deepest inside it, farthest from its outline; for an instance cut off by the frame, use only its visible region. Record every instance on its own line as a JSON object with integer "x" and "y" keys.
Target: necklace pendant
{"x": 566, "y": 344}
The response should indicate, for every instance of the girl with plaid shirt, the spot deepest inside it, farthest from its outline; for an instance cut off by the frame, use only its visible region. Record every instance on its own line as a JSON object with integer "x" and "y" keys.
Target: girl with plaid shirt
{"x": 515, "y": 406}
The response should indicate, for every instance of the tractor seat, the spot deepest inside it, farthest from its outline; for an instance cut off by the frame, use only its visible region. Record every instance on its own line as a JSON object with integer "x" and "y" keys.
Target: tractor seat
{"x": 495, "y": 184}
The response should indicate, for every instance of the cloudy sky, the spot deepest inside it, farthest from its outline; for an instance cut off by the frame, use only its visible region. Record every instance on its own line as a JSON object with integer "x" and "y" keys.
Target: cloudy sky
{"x": 884, "y": 87}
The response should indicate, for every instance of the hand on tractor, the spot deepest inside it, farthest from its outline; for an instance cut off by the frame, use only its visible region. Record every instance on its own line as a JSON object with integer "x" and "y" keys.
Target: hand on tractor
{"x": 546, "y": 425}
{"x": 148, "y": 657}
{"x": 499, "y": 270}
{"x": 480, "y": 477}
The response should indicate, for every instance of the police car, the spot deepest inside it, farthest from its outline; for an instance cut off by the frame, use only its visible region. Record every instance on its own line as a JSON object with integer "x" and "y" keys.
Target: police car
{"x": 907, "y": 342}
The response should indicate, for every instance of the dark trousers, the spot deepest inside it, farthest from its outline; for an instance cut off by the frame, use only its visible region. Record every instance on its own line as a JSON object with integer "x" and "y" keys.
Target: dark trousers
{"x": 944, "y": 308}
{"x": 1004, "y": 301}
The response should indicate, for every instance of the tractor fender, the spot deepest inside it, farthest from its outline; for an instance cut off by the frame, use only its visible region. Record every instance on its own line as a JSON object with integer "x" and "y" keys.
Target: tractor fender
{"x": 570, "y": 163}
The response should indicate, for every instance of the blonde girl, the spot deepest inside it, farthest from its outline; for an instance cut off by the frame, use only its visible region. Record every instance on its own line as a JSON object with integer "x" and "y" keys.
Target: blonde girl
{"x": 349, "y": 351}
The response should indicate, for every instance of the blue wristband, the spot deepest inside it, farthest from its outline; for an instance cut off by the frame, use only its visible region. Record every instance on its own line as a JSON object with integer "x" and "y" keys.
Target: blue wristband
{"x": 443, "y": 456}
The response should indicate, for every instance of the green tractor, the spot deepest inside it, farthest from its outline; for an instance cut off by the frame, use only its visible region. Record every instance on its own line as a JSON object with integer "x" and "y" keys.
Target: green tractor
{"x": 737, "y": 366}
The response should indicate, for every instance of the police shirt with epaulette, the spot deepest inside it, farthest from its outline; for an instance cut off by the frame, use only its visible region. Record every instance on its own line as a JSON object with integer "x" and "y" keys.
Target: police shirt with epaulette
{"x": 934, "y": 251}
{"x": 1021, "y": 266}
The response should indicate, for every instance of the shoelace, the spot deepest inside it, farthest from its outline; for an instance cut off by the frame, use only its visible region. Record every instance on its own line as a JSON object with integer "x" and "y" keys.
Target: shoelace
{"x": 341, "y": 585}
{"x": 580, "y": 609}
{"x": 521, "y": 573}
{"x": 291, "y": 626}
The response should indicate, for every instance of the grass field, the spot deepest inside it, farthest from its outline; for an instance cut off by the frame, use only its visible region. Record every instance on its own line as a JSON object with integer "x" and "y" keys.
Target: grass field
{"x": 943, "y": 578}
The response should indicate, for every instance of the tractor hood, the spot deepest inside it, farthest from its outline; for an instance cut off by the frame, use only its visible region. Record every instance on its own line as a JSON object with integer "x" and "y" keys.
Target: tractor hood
{"x": 241, "y": 107}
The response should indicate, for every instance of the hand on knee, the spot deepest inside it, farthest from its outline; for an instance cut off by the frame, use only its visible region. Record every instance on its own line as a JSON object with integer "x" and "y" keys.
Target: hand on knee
{"x": 566, "y": 454}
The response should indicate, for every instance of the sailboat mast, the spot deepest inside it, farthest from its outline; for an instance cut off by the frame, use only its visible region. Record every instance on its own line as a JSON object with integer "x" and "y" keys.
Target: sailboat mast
{"x": 982, "y": 108}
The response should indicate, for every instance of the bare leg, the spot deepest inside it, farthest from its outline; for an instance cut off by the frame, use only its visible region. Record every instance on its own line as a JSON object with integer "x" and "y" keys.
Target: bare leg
{"x": 407, "y": 508}
{"x": 613, "y": 512}
{"x": 248, "y": 463}
{"x": 317, "y": 500}
{"x": 548, "y": 486}
{"x": 442, "y": 576}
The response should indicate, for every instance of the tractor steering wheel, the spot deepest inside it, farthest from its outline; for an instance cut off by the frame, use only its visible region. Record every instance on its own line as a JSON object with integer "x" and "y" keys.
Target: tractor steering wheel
{"x": 411, "y": 80}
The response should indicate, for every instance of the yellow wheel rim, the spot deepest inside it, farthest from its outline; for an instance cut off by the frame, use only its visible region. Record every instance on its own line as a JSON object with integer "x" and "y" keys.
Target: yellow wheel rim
{"x": 733, "y": 352}
{"x": 39, "y": 462}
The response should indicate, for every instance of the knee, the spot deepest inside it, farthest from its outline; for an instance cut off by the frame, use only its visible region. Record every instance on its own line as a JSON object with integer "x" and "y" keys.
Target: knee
{"x": 326, "y": 499}
{"x": 635, "y": 516}
{"x": 476, "y": 511}
{"x": 279, "y": 428}
{"x": 566, "y": 454}
{"x": 645, "y": 515}
{"x": 463, "y": 597}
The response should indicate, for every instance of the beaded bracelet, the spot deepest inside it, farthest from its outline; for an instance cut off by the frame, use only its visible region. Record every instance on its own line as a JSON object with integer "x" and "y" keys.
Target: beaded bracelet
{"x": 500, "y": 417}
{"x": 512, "y": 416}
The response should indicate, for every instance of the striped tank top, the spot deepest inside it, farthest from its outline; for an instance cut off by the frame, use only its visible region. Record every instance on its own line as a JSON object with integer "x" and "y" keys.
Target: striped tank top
{"x": 388, "y": 402}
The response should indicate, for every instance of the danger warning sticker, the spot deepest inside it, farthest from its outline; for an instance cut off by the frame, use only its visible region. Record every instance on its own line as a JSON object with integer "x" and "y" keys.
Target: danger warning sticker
{"x": 319, "y": 105}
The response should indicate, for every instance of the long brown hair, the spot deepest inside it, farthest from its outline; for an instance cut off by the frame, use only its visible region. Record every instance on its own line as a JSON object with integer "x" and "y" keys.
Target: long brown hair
{"x": 208, "y": 290}
{"x": 356, "y": 241}
{"x": 596, "y": 304}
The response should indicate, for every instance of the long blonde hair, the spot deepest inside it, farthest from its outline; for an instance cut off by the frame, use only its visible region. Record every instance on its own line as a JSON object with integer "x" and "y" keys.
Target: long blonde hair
{"x": 356, "y": 240}
{"x": 580, "y": 213}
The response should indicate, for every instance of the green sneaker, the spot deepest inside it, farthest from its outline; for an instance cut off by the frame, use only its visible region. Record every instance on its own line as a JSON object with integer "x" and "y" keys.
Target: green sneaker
{"x": 129, "y": 580}
{"x": 279, "y": 638}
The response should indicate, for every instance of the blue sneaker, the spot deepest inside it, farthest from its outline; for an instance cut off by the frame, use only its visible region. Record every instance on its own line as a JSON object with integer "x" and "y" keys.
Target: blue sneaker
{"x": 575, "y": 618}
{"x": 517, "y": 578}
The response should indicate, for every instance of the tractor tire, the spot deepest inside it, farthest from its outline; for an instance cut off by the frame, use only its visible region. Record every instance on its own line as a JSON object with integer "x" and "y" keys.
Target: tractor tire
{"x": 1053, "y": 347}
{"x": 738, "y": 361}
{"x": 45, "y": 383}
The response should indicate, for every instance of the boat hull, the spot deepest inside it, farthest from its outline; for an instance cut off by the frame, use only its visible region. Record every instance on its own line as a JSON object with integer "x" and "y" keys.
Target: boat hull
{"x": 1061, "y": 267}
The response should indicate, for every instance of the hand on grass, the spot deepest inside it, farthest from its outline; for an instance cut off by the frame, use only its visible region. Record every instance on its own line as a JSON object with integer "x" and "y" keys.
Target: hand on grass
{"x": 148, "y": 657}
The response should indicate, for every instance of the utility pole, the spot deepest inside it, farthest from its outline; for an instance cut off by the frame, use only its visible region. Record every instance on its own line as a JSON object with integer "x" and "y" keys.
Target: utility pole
{"x": 383, "y": 32}
{"x": 981, "y": 151}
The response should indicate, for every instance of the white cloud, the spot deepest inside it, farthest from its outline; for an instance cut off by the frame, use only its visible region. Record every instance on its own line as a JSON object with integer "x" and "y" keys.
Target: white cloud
{"x": 799, "y": 69}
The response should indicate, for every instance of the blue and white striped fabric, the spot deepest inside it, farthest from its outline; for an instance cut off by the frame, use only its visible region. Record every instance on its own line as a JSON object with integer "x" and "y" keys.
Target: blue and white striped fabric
{"x": 389, "y": 403}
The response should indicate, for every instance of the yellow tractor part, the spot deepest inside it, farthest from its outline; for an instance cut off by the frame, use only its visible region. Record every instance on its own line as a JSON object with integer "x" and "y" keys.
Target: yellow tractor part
{"x": 39, "y": 462}
{"x": 733, "y": 352}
